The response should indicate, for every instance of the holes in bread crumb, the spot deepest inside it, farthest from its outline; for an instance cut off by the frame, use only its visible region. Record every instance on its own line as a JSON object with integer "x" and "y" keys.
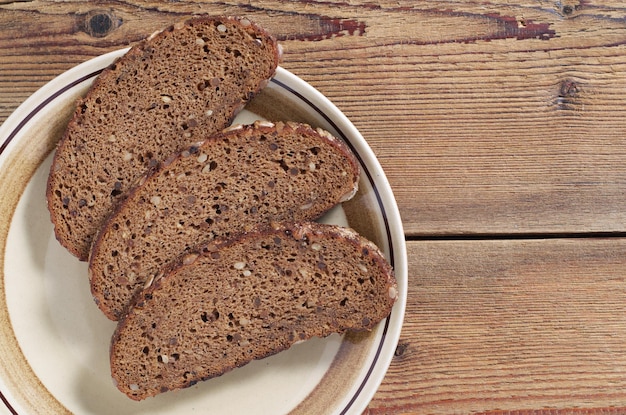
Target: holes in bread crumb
{"x": 210, "y": 317}
{"x": 117, "y": 189}
{"x": 203, "y": 85}
{"x": 207, "y": 168}
{"x": 204, "y": 317}
{"x": 283, "y": 165}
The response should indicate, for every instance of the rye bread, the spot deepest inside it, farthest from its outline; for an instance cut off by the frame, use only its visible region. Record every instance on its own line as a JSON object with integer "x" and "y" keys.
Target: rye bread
{"x": 248, "y": 298}
{"x": 161, "y": 96}
{"x": 228, "y": 184}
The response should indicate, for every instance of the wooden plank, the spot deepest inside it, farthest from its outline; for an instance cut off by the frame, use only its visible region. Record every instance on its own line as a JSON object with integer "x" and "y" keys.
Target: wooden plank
{"x": 511, "y": 325}
{"x": 488, "y": 118}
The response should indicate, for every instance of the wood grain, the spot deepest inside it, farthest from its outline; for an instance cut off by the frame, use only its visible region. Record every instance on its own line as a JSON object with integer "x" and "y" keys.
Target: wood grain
{"x": 511, "y": 325}
{"x": 490, "y": 118}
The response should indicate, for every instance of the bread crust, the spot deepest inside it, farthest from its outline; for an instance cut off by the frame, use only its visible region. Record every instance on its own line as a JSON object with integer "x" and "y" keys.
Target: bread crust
{"x": 352, "y": 291}
{"x": 233, "y": 181}
{"x": 99, "y": 156}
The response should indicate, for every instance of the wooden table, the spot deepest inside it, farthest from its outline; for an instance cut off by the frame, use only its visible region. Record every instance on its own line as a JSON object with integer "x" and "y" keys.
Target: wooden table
{"x": 501, "y": 127}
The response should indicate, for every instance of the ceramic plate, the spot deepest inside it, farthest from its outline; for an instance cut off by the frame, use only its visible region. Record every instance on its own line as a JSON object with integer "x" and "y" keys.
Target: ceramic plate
{"x": 53, "y": 339}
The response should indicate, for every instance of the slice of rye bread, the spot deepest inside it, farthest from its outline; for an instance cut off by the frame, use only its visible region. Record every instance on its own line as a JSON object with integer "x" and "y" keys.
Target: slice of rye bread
{"x": 247, "y": 298}
{"x": 183, "y": 82}
{"x": 226, "y": 185}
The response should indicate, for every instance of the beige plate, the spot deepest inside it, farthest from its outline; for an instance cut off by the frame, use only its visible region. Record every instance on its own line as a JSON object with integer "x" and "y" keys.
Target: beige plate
{"x": 53, "y": 339}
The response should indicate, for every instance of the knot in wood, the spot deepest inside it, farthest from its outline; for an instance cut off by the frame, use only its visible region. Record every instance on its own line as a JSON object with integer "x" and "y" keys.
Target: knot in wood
{"x": 568, "y": 9}
{"x": 401, "y": 349}
{"x": 569, "y": 95}
{"x": 99, "y": 23}
{"x": 569, "y": 88}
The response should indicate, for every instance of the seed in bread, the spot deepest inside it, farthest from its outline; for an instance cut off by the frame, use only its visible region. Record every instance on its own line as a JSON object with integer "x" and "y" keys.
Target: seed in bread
{"x": 247, "y": 298}
{"x": 226, "y": 185}
{"x": 181, "y": 83}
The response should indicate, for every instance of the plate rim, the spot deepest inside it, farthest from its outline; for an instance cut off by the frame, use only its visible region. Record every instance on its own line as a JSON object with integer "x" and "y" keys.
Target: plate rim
{"x": 305, "y": 92}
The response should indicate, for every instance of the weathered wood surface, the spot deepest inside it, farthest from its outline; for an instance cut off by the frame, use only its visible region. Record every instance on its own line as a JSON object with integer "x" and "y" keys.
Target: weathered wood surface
{"x": 487, "y": 117}
{"x": 511, "y": 325}
{"x": 497, "y": 119}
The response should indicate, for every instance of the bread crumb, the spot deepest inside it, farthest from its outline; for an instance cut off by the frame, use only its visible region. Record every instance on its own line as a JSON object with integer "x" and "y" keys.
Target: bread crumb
{"x": 234, "y": 127}
{"x": 190, "y": 259}
{"x": 393, "y": 292}
{"x": 262, "y": 123}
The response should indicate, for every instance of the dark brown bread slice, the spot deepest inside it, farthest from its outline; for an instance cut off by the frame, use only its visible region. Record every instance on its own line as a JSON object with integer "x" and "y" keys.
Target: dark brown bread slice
{"x": 228, "y": 184}
{"x": 248, "y": 298}
{"x": 190, "y": 79}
